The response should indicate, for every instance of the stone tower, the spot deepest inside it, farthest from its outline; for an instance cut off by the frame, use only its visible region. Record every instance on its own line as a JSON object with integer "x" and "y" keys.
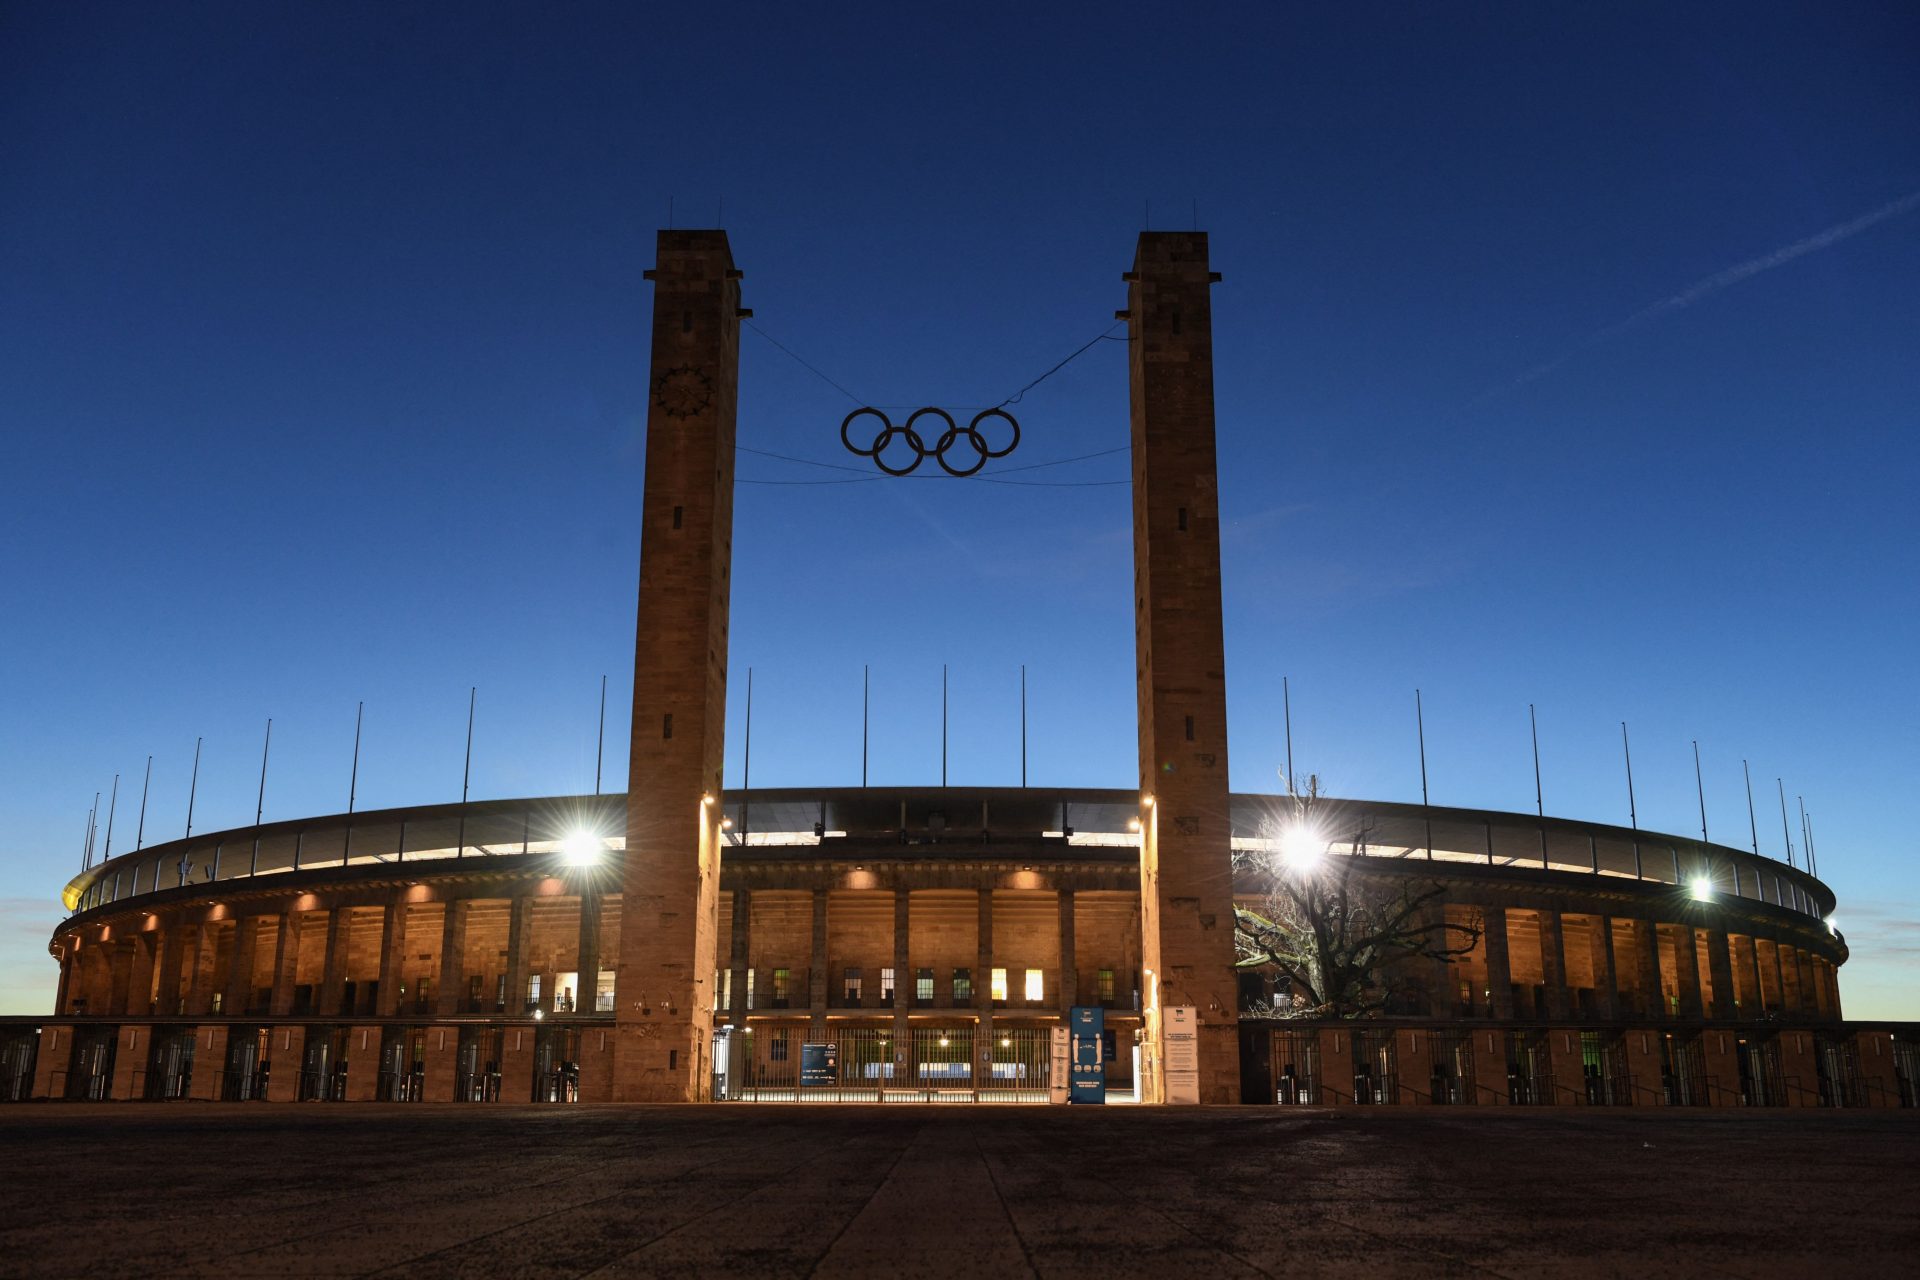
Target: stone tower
{"x": 1186, "y": 872}
{"x": 664, "y": 989}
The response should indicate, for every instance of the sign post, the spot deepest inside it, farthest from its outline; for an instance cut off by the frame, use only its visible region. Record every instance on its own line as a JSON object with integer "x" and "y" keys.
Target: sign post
{"x": 1183, "y": 1055}
{"x": 1059, "y": 1063}
{"x": 1088, "y": 1082}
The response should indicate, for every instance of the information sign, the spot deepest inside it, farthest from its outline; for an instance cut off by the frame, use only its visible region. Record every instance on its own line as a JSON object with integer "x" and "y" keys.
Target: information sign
{"x": 1181, "y": 1030}
{"x": 1089, "y": 1079}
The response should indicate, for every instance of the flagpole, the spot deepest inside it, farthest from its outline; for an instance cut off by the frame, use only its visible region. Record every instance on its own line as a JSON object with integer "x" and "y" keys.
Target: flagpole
{"x": 865, "y": 686}
{"x": 1023, "y": 724}
{"x": 1420, "y": 723}
{"x": 140, "y": 835}
{"x": 1539, "y": 795}
{"x": 260, "y": 802}
{"x": 466, "y": 775}
{"x": 600, "y": 745}
{"x": 1753, "y": 827}
{"x": 107, "y": 852}
{"x": 1286, "y": 708}
{"x": 1786, "y": 832}
{"x": 353, "y": 787}
{"x": 1633, "y": 813}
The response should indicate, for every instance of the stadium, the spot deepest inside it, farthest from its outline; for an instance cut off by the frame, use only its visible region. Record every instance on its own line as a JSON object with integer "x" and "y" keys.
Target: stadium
{"x": 685, "y": 942}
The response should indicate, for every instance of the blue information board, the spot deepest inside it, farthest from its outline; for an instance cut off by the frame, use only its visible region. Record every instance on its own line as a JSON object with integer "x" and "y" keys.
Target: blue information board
{"x": 1088, "y": 1079}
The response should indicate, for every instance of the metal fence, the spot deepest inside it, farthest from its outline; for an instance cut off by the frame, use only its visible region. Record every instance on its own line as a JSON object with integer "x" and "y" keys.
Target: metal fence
{"x": 780, "y": 1063}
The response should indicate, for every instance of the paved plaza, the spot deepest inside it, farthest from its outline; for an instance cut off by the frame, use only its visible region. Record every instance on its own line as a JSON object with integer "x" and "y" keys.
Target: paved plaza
{"x": 197, "y": 1189}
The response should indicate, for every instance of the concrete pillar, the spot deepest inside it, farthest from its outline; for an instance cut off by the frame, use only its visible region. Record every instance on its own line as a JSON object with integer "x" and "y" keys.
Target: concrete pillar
{"x": 333, "y": 973}
{"x": 209, "y": 1080}
{"x": 817, "y": 975}
{"x": 451, "y": 998}
{"x": 983, "y": 976}
{"x": 1553, "y": 965}
{"x": 119, "y": 971}
{"x": 1793, "y": 994}
{"x": 60, "y": 1006}
{"x": 238, "y": 993}
{"x": 442, "y": 1060}
{"x": 139, "y": 1001}
{"x": 286, "y": 963}
{"x": 1720, "y": 972}
{"x": 1646, "y": 960}
{"x": 1186, "y": 880}
{"x": 1499, "y": 973}
{"x": 902, "y": 973}
{"x": 1761, "y": 1005}
{"x": 206, "y": 942}
{"x": 1686, "y": 962}
{"x": 740, "y": 957}
{"x": 674, "y": 790}
{"x": 1069, "y": 972}
{"x": 393, "y": 955}
{"x": 173, "y": 942}
{"x": 587, "y": 952}
{"x": 519, "y": 945}
{"x": 1606, "y": 985}
{"x": 363, "y": 1063}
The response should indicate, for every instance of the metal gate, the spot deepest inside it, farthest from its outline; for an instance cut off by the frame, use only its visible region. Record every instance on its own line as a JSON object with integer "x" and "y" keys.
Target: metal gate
{"x": 1760, "y": 1074}
{"x": 1452, "y": 1056}
{"x": 1603, "y": 1067}
{"x": 1683, "y": 1075}
{"x": 1296, "y": 1068}
{"x": 775, "y": 1062}
{"x": 1529, "y": 1069}
{"x": 1376, "y": 1071}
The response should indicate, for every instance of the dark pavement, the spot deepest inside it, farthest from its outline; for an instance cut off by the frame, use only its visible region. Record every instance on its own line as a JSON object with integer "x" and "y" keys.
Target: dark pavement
{"x": 424, "y": 1191}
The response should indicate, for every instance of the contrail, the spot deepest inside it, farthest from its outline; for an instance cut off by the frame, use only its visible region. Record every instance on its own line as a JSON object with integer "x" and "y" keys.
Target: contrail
{"x": 1714, "y": 284}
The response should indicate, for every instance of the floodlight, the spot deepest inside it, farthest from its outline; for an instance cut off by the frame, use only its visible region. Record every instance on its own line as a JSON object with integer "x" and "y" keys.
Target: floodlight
{"x": 1702, "y": 889}
{"x": 1301, "y": 846}
{"x": 581, "y": 849}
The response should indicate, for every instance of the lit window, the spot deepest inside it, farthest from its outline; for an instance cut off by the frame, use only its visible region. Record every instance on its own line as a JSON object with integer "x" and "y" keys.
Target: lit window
{"x": 886, "y": 986}
{"x": 1000, "y": 984}
{"x": 780, "y": 977}
{"x": 853, "y": 987}
{"x": 962, "y": 986}
{"x": 1036, "y": 985}
{"x": 1106, "y": 986}
{"x": 923, "y": 985}
{"x": 749, "y": 988}
{"x": 533, "y": 991}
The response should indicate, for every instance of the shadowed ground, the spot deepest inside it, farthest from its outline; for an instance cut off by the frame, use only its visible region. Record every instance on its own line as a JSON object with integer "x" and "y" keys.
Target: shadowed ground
{"x": 429, "y": 1191}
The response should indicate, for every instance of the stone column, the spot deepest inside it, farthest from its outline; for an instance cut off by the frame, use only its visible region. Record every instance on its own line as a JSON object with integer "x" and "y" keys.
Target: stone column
{"x": 1186, "y": 856}
{"x": 451, "y": 997}
{"x": 120, "y": 973}
{"x": 1720, "y": 970}
{"x": 1646, "y": 962}
{"x": 902, "y": 973}
{"x": 1553, "y": 965}
{"x": 333, "y": 972}
{"x": 1606, "y": 986}
{"x": 238, "y": 996}
{"x": 139, "y": 1001}
{"x": 1499, "y": 973}
{"x": 173, "y": 942}
{"x": 1763, "y": 1005}
{"x": 983, "y": 991}
{"x": 671, "y": 888}
{"x": 1069, "y": 971}
{"x": 519, "y": 944}
{"x": 587, "y": 962}
{"x": 1686, "y": 961}
{"x": 200, "y": 978}
{"x": 817, "y": 975}
{"x": 286, "y": 962}
{"x": 66, "y": 983}
{"x": 740, "y": 958}
{"x": 393, "y": 955}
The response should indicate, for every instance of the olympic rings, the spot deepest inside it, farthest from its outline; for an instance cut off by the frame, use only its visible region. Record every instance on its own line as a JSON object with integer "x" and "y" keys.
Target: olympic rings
{"x": 915, "y": 441}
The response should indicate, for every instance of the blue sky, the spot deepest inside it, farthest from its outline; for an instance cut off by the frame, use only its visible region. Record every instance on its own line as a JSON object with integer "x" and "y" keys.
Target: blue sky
{"x": 1558, "y": 363}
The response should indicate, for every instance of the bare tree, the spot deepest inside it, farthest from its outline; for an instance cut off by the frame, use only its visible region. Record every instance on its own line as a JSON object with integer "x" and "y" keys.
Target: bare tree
{"x": 1348, "y": 938}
